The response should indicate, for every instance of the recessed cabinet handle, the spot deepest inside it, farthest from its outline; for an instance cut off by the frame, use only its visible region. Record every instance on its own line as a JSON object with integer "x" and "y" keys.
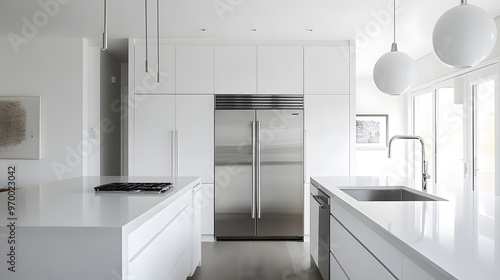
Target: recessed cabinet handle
{"x": 319, "y": 199}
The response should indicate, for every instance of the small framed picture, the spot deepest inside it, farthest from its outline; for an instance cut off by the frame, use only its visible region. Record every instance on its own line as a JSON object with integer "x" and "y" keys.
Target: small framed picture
{"x": 371, "y": 131}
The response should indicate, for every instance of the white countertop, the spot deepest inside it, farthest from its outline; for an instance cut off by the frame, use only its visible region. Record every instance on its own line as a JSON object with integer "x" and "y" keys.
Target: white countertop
{"x": 74, "y": 203}
{"x": 460, "y": 235}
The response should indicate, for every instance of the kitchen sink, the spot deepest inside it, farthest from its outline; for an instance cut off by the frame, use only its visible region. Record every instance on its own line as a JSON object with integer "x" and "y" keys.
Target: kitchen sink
{"x": 389, "y": 194}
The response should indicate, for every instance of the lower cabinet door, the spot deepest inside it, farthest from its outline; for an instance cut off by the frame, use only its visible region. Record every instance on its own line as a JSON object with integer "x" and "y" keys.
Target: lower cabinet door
{"x": 166, "y": 253}
{"x": 336, "y": 271}
{"x": 356, "y": 261}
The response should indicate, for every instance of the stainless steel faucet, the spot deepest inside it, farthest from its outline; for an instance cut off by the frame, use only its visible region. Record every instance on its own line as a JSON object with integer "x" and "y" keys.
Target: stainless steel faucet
{"x": 425, "y": 175}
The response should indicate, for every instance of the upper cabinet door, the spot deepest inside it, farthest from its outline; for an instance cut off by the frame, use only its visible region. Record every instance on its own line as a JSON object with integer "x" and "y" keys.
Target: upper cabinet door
{"x": 195, "y": 69}
{"x": 236, "y": 69}
{"x": 280, "y": 70}
{"x": 147, "y": 82}
{"x": 326, "y": 70}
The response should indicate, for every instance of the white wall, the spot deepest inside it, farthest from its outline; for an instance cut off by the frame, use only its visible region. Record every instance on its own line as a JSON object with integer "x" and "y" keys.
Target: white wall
{"x": 370, "y": 100}
{"x": 56, "y": 70}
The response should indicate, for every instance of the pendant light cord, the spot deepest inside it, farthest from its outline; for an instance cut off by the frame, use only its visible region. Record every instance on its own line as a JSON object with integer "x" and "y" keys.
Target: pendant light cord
{"x": 158, "y": 38}
{"x": 146, "y": 25}
{"x": 105, "y": 32}
{"x": 394, "y": 14}
{"x": 394, "y": 46}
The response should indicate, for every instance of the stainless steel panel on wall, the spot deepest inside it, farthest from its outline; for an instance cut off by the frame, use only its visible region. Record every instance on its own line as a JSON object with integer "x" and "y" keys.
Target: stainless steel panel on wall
{"x": 281, "y": 192}
{"x": 233, "y": 173}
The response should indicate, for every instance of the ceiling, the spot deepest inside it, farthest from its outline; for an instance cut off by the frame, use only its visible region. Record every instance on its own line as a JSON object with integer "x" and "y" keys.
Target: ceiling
{"x": 369, "y": 21}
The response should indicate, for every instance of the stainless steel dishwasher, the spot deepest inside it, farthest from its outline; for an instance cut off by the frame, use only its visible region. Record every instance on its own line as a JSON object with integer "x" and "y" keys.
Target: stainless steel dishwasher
{"x": 322, "y": 241}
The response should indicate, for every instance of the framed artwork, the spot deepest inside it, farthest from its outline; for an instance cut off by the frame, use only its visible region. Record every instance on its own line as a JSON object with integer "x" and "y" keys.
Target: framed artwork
{"x": 20, "y": 127}
{"x": 371, "y": 131}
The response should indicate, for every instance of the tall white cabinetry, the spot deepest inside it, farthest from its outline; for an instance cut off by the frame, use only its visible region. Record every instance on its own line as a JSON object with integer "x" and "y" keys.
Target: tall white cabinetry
{"x": 194, "y": 69}
{"x": 327, "y": 135}
{"x": 236, "y": 69}
{"x": 280, "y": 69}
{"x": 326, "y": 70}
{"x": 329, "y": 101}
{"x": 154, "y": 134}
{"x": 174, "y": 136}
{"x": 171, "y": 129}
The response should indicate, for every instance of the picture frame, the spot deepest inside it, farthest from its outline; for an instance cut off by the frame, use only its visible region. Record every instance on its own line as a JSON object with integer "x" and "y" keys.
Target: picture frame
{"x": 372, "y": 131}
{"x": 20, "y": 127}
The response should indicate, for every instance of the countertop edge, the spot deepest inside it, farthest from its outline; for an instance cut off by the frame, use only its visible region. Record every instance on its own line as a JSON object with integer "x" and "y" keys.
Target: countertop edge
{"x": 135, "y": 223}
{"x": 399, "y": 244}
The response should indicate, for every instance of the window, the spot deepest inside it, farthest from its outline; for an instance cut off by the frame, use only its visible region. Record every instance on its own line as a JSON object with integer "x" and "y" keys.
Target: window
{"x": 458, "y": 121}
{"x": 483, "y": 108}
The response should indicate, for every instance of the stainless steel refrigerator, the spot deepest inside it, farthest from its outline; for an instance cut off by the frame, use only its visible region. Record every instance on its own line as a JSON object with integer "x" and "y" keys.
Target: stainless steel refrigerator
{"x": 259, "y": 167}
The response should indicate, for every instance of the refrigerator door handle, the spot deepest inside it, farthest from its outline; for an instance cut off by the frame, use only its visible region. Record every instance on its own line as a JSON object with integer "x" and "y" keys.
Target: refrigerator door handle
{"x": 257, "y": 159}
{"x": 254, "y": 168}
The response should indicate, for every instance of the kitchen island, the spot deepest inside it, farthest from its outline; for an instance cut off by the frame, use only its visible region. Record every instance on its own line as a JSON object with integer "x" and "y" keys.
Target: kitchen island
{"x": 65, "y": 230}
{"x": 455, "y": 238}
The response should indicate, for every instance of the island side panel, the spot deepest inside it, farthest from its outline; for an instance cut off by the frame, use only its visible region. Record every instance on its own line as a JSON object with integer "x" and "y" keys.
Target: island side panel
{"x": 64, "y": 253}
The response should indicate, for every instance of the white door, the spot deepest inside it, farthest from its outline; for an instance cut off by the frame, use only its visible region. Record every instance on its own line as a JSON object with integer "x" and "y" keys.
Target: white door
{"x": 195, "y": 133}
{"x": 236, "y": 69}
{"x": 280, "y": 70}
{"x": 154, "y": 124}
{"x": 327, "y": 135}
{"x": 326, "y": 69}
{"x": 194, "y": 69}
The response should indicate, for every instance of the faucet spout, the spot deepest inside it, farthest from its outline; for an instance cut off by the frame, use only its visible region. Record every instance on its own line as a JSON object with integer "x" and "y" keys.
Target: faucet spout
{"x": 425, "y": 175}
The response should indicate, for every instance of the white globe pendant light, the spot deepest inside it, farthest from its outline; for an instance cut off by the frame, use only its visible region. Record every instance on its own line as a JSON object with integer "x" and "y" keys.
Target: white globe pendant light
{"x": 394, "y": 72}
{"x": 464, "y": 36}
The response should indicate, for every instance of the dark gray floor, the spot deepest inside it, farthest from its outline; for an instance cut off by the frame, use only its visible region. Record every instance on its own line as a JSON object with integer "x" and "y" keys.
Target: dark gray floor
{"x": 256, "y": 260}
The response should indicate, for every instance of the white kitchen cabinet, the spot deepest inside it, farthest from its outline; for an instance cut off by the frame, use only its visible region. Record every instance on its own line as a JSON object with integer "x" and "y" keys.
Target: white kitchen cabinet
{"x": 412, "y": 271}
{"x": 326, "y": 69}
{"x": 196, "y": 229}
{"x": 336, "y": 271}
{"x": 355, "y": 260}
{"x": 194, "y": 69}
{"x": 386, "y": 253}
{"x": 147, "y": 82}
{"x": 236, "y": 69}
{"x": 174, "y": 136}
{"x": 207, "y": 210}
{"x": 195, "y": 131}
{"x": 169, "y": 244}
{"x": 154, "y": 126}
{"x": 280, "y": 69}
{"x": 162, "y": 253}
{"x": 327, "y": 135}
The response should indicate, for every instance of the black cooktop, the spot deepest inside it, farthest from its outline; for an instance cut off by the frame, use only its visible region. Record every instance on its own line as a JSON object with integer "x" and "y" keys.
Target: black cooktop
{"x": 134, "y": 187}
